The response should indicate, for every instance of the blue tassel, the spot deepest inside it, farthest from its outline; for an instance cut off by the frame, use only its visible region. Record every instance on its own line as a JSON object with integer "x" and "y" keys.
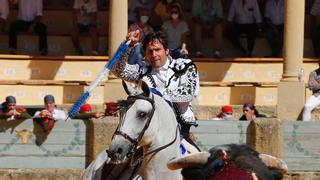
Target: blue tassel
{"x": 123, "y": 48}
{"x": 119, "y": 53}
{"x": 77, "y": 105}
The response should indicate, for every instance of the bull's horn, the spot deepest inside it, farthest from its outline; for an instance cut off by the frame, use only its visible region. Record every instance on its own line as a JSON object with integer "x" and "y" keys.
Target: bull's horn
{"x": 191, "y": 160}
{"x": 274, "y": 162}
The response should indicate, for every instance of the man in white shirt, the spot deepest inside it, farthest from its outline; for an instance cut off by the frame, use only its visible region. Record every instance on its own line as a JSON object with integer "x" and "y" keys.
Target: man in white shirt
{"x": 47, "y": 117}
{"x": 244, "y": 18}
{"x": 208, "y": 14}
{"x": 177, "y": 80}
{"x": 4, "y": 12}
{"x": 315, "y": 27}
{"x": 84, "y": 19}
{"x": 50, "y": 110}
{"x": 274, "y": 19}
{"x": 29, "y": 19}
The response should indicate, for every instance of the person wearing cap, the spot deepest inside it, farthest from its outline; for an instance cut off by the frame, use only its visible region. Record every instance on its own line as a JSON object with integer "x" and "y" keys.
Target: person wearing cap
{"x": 85, "y": 112}
{"x": 10, "y": 111}
{"x": 225, "y": 114}
{"x": 50, "y": 110}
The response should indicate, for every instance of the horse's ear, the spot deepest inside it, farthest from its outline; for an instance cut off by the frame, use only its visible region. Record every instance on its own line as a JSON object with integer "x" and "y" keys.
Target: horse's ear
{"x": 136, "y": 87}
{"x": 145, "y": 88}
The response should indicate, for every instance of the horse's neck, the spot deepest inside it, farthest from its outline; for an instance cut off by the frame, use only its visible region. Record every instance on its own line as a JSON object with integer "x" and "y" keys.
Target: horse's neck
{"x": 155, "y": 165}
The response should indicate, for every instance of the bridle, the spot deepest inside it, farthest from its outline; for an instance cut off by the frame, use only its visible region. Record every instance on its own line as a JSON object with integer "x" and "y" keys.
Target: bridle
{"x": 131, "y": 100}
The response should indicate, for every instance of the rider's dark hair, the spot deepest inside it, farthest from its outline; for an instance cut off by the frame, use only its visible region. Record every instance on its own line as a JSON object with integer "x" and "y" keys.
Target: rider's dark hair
{"x": 155, "y": 36}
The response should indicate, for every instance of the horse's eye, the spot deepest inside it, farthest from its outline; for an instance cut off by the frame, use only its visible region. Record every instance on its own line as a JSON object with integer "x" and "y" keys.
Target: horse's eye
{"x": 142, "y": 114}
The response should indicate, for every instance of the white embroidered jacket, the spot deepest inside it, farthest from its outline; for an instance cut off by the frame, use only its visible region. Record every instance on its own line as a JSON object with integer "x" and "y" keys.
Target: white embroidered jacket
{"x": 177, "y": 80}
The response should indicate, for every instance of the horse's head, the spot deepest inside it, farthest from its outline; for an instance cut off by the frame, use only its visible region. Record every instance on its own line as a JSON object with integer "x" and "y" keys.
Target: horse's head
{"x": 135, "y": 117}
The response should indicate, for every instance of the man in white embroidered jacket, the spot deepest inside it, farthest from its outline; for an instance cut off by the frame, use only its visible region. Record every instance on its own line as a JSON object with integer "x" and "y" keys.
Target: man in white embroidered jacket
{"x": 176, "y": 79}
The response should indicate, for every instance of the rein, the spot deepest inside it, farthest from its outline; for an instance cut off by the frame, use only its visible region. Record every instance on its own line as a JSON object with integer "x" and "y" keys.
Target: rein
{"x": 135, "y": 141}
{"x": 154, "y": 151}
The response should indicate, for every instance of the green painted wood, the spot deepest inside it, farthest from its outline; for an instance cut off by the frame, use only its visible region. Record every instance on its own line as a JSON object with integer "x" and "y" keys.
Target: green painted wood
{"x": 303, "y": 164}
{"x": 300, "y": 140}
{"x": 32, "y": 150}
{"x": 60, "y": 126}
{"x": 303, "y": 127}
{"x": 301, "y": 145}
{"x": 53, "y": 138}
{"x": 212, "y": 133}
{"x": 63, "y": 147}
{"x": 31, "y": 162}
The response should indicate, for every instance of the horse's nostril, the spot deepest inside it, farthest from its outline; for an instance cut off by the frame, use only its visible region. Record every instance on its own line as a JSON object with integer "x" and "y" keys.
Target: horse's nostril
{"x": 119, "y": 151}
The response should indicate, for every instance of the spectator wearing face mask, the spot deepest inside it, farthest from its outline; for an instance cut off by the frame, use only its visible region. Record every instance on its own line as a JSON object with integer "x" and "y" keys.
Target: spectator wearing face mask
{"x": 162, "y": 9}
{"x": 142, "y": 25}
{"x": 135, "y": 5}
{"x": 176, "y": 30}
{"x": 225, "y": 114}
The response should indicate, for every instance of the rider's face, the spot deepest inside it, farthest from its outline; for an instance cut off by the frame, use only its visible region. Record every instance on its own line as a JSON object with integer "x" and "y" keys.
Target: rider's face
{"x": 156, "y": 54}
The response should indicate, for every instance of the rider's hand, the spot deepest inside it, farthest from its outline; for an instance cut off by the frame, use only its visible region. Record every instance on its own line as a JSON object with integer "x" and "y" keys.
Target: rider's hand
{"x": 134, "y": 36}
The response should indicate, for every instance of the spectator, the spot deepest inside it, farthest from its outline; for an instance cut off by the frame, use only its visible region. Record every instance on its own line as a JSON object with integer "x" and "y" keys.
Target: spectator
{"x": 85, "y": 112}
{"x": 47, "y": 117}
{"x": 274, "y": 19}
{"x": 50, "y": 109}
{"x": 162, "y": 9}
{"x": 315, "y": 27}
{"x": 29, "y": 19}
{"x": 250, "y": 112}
{"x": 176, "y": 79}
{"x": 135, "y": 5}
{"x": 10, "y": 111}
{"x": 314, "y": 100}
{"x": 112, "y": 109}
{"x": 4, "y": 12}
{"x": 144, "y": 29}
{"x": 208, "y": 14}
{"x": 225, "y": 114}
{"x": 142, "y": 25}
{"x": 84, "y": 19}
{"x": 244, "y": 18}
{"x": 176, "y": 30}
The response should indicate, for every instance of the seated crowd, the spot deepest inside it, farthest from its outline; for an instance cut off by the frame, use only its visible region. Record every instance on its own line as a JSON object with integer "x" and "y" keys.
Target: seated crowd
{"x": 216, "y": 18}
{"x": 46, "y": 117}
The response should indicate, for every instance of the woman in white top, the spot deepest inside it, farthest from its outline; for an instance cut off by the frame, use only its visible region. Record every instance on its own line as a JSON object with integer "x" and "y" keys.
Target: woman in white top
{"x": 176, "y": 30}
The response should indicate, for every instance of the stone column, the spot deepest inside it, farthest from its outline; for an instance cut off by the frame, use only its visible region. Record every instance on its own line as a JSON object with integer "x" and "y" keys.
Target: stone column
{"x": 118, "y": 24}
{"x": 99, "y": 135}
{"x": 291, "y": 91}
{"x": 265, "y": 136}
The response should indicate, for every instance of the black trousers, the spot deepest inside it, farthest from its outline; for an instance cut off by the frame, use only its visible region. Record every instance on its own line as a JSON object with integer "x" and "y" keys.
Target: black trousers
{"x": 315, "y": 36}
{"x": 275, "y": 39}
{"x": 250, "y": 30}
{"x": 20, "y": 26}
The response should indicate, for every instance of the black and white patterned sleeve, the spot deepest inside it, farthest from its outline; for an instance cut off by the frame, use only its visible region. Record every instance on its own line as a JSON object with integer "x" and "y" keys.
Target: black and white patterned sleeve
{"x": 125, "y": 71}
{"x": 188, "y": 84}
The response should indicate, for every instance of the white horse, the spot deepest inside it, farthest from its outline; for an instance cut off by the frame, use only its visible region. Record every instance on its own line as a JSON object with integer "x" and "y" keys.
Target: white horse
{"x": 146, "y": 121}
